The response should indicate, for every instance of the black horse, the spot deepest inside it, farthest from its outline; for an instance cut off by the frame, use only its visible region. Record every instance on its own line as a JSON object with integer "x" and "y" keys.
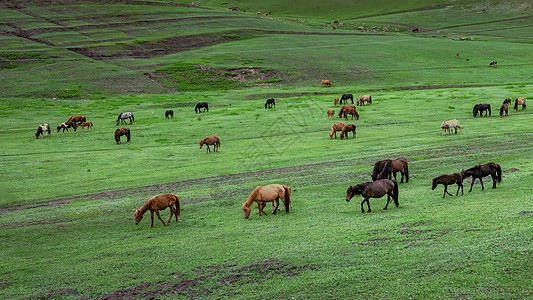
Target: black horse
{"x": 382, "y": 170}
{"x": 200, "y": 105}
{"x": 270, "y": 102}
{"x": 374, "y": 189}
{"x": 480, "y": 171}
{"x": 125, "y": 115}
{"x": 481, "y": 108}
{"x": 345, "y": 98}
{"x": 169, "y": 113}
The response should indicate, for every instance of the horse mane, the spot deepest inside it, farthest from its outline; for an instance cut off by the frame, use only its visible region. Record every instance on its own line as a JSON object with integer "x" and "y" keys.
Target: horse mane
{"x": 252, "y": 196}
{"x": 386, "y": 169}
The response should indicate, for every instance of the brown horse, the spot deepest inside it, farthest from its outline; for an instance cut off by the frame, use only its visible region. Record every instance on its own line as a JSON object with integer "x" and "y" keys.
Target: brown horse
{"x": 325, "y": 82}
{"x": 480, "y": 171}
{"x": 261, "y": 204}
{"x": 335, "y": 101}
{"x": 122, "y": 131}
{"x": 158, "y": 203}
{"x": 519, "y": 101}
{"x": 363, "y": 98}
{"x": 210, "y": 140}
{"x": 267, "y": 193}
{"x": 334, "y": 128}
{"x": 170, "y": 113}
{"x": 42, "y": 129}
{"x": 86, "y": 124}
{"x": 449, "y": 179}
{"x": 507, "y": 101}
{"x": 77, "y": 119}
{"x": 504, "y": 109}
{"x": 331, "y": 113}
{"x": 346, "y": 129}
{"x": 374, "y": 189}
{"x": 396, "y": 165}
{"x": 348, "y": 109}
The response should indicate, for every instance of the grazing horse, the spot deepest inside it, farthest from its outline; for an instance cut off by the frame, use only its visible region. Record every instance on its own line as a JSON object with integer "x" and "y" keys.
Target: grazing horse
{"x": 519, "y": 101}
{"x": 507, "y": 101}
{"x": 122, "y": 131}
{"x": 345, "y": 98}
{"x": 334, "y": 128}
{"x": 66, "y": 125}
{"x": 346, "y": 129}
{"x": 201, "y": 105}
{"x": 210, "y": 140}
{"x": 449, "y": 179}
{"x": 170, "y": 113}
{"x": 504, "y": 109}
{"x": 158, "y": 203}
{"x": 335, "y": 101}
{"x": 479, "y": 171}
{"x": 42, "y": 129}
{"x": 374, "y": 189}
{"x": 449, "y": 125}
{"x": 493, "y": 64}
{"x": 331, "y": 113}
{"x": 363, "y": 98}
{"x": 326, "y": 82}
{"x": 125, "y": 115}
{"x": 481, "y": 108}
{"x": 77, "y": 119}
{"x": 382, "y": 170}
{"x": 348, "y": 109}
{"x": 270, "y": 102}
{"x": 267, "y": 193}
{"x": 86, "y": 124}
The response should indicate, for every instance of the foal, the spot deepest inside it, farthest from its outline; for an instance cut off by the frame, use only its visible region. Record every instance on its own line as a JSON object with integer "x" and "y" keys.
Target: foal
{"x": 156, "y": 204}
{"x": 446, "y": 180}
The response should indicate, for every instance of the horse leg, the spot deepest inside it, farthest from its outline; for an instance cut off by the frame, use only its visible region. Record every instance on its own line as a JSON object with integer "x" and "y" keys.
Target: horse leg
{"x": 472, "y": 185}
{"x": 152, "y": 215}
{"x": 493, "y": 175}
{"x": 368, "y": 204}
{"x": 481, "y": 181}
{"x": 275, "y": 209}
{"x": 459, "y": 186}
{"x": 388, "y": 200}
{"x": 172, "y": 212}
{"x": 159, "y": 216}
{"x": 446, "y": 190}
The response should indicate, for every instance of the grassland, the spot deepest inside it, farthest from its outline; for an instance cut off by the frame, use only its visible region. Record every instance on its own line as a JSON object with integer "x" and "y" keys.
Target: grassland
{"x": 66, "y": 201}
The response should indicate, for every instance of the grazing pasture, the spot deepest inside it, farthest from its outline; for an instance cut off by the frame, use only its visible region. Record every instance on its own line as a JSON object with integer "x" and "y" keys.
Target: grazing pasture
{"x": 67, "y": 228}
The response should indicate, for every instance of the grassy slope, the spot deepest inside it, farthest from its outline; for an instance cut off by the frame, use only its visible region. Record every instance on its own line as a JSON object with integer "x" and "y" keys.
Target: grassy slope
{"x": 478, "y": 244}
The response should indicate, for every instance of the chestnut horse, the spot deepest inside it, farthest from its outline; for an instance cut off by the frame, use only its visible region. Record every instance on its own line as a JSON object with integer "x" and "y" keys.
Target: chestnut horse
{"x": 374, "y": 189}
{"x": 86, "y": 124}
{"x": 326, "y": 82}
{"x": 77, "y": 119}
{"x": 331, "y": 113}
{"x": 449, "y": 179}
{"x": 42, "y": 129}
{"x": 156, "y": 204}
{"x": 504, "y": 109}
{"x": 334, "y": 128}
{"x": 363, "y": 98}
{"x": 335, "y": 101}
{"x": 346, "y": 129}
{"x": 348, "y": 109}
{"x": 396, "y": 165}
{"x": 519, "y": 101}
{"x": 210, "y": 140}
{"x": 267, "y": 193}
{"x": 479, "y": 171}
{"x": 170, "y": 113}
{"x": 122, "y": 131}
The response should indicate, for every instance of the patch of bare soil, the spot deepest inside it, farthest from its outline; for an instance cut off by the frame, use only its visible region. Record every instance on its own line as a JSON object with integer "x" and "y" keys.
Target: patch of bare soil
{"x": 213, "y": 276}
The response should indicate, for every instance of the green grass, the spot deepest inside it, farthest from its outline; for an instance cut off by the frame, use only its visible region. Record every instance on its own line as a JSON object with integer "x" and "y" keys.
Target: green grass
{"x": 67, "y": 201}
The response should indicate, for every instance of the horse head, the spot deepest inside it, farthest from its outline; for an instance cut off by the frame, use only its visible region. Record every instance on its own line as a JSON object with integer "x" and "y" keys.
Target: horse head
{"x": 246, "y": 209}
{"x": 138, "y": 216}
{"x": 434, "y": 184}
{"x": 201, "y": 143}
{"x": 354, "y": 190}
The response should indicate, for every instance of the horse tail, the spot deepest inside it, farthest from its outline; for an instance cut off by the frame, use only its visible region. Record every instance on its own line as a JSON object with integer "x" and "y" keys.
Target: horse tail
{"x": 177, "y": 204}
{"x": 406, "y": 168}
{"x": 395, "y": 193}
{"x": 474, "y": 111}
{"x": 498, "y": 173}
{"x": 516, "y": 104}
{"x": 287, "y": 197}
{"x": 132, "y": 118}
{"x": 490, "y": 113}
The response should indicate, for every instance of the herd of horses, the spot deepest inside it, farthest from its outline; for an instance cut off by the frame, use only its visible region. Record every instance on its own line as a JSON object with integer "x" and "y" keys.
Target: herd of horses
{"x": 73, "y": 122}
{"x": 504, "y": 108}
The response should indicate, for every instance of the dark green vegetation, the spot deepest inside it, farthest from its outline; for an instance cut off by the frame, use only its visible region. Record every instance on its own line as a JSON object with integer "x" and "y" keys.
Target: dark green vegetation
{"x": 67, "y": 228}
